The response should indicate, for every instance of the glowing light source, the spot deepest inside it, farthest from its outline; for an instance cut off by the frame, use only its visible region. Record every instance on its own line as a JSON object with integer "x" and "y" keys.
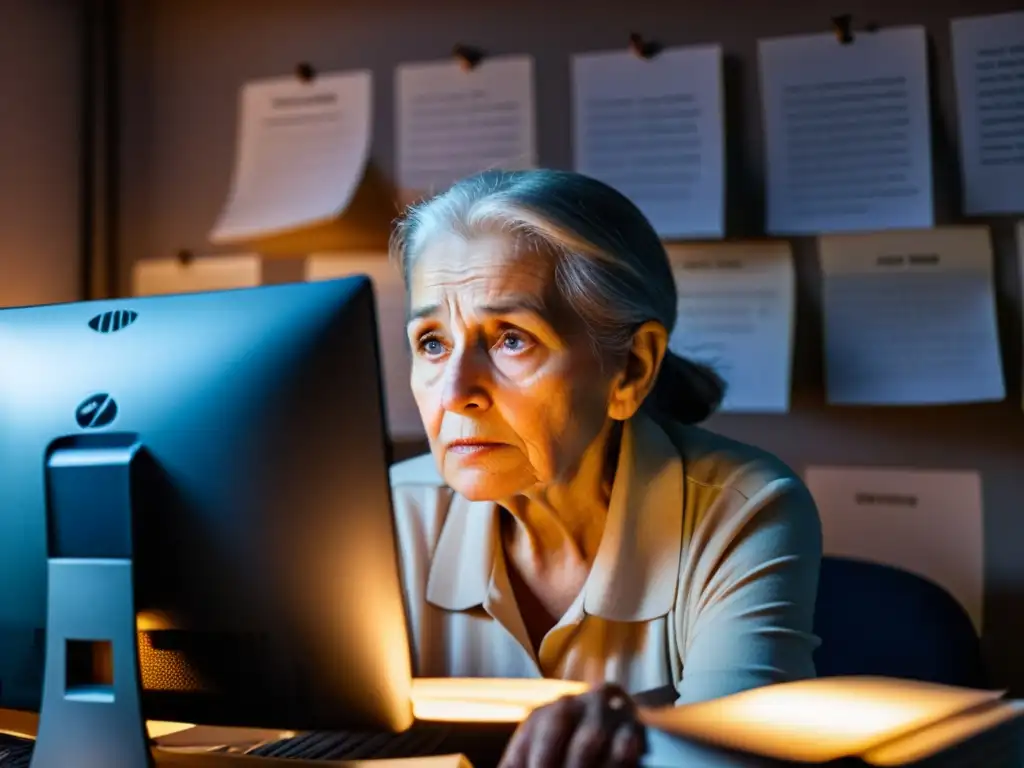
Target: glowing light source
{"x": 486, "y": 700}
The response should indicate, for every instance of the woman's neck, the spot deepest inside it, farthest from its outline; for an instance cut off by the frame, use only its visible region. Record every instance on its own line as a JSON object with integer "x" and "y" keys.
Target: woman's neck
{"x": 568, "y": 517}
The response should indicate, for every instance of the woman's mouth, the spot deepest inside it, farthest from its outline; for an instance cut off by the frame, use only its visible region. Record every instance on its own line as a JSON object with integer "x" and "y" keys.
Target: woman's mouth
{"x": 471, "y": 446}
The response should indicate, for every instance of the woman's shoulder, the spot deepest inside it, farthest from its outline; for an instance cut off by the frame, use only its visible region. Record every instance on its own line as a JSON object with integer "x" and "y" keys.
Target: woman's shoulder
{"x": 743, "y": 499}
{"x": 418, "y": 490}
{"x": 420, "y": 501}
{"x": 417, "y": 472}
{"x": 714, "y": 460}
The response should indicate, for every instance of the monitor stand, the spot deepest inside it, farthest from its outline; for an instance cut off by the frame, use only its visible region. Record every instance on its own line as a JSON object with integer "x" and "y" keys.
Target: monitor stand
{"x": 91, "y": 714}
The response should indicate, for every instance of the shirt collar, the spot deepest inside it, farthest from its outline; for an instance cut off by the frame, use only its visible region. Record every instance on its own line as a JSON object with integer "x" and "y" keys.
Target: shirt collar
{"x": 636, "y": 570}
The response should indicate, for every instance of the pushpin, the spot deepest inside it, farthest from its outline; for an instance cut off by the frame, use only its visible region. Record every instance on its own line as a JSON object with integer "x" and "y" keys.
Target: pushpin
{"x": 468, "y": 56}
{"x": 843, "y": 27}
{"x": 644, "y": 49}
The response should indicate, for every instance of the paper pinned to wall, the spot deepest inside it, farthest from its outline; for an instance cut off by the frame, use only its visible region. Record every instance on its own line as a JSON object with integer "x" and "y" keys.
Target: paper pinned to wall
{"x": 402, "y": 414}
{"x": 157, "y": 277}
{"x": 653, "y": 129}
{"x": 1020, "y": 273}
{"x": 926, "y": 522}
{"x": 301, "y": 155}
{"x": 453, "y": 123}
{"x": 848, "y": 132}
{"x": 910, "y": 318}
{"x": 736, "y": 314}
{"x": 988, "y": 57}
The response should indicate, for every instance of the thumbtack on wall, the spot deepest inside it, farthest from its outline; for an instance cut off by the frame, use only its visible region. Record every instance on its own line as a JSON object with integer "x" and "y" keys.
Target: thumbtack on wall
{"x": 641, "y": 48}
{"x": 304, "y": 72}
{"x": 467, "y": 56}
{"x": 843, "y": 28}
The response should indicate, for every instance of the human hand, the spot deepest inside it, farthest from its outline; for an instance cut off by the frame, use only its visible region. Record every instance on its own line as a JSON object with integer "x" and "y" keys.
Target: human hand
{"x": 598, "y": 728}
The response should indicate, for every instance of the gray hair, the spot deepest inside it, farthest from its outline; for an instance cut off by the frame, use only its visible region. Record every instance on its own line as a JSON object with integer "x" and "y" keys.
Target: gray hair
{"x": 611, "y": 267}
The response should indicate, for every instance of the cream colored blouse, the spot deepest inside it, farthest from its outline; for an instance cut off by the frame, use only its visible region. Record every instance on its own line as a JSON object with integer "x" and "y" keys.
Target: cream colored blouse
{"x": 704, "y": 580}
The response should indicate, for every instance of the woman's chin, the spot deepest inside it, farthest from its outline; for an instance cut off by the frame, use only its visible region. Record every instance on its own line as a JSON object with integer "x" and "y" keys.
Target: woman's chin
{"x": 479, "y": 484}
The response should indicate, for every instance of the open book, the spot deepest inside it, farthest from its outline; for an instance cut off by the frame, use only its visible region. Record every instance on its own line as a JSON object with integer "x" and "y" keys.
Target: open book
{"x": 848, "y": 721}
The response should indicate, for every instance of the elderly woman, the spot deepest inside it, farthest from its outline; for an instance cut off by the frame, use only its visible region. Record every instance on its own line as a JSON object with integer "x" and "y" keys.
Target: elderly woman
{"x": 570, "y": 521}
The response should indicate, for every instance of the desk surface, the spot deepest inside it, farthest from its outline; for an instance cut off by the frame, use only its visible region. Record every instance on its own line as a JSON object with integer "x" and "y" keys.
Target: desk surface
{"x": 26, "y": 724}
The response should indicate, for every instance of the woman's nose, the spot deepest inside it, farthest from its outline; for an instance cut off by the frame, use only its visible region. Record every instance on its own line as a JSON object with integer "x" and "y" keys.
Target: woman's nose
{"x": 465, "y": 382}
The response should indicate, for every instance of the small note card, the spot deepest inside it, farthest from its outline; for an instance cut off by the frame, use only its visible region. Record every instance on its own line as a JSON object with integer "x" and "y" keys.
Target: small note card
{"x": 454, "y": 122}
{"x": 156, "y": 277}
{"x": 653, "y": 129}
{"x": 736, "y": 306}
{"x": 988, "y": 55}
{"x": 389, "y": 290}
{"x": 926, "y": 522}
{"x": 848, "y": 132}
{"x": 301, "y": 155}
{"x": 910, "y": 318}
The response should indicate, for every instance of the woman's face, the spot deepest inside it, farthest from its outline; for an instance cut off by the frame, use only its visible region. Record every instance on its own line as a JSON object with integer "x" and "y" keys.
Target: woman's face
{"x": 510, "y": 390}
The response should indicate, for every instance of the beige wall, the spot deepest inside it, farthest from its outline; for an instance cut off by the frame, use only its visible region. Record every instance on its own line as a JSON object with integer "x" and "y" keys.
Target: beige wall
{"x": 40, "y": 65}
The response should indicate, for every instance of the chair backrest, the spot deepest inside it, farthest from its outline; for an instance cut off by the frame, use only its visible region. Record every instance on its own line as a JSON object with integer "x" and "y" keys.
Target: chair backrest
{"x": 880, "y": 620}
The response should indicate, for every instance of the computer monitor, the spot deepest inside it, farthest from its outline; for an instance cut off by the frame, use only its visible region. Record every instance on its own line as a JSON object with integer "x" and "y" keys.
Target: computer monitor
{"x": 225, "y": 455}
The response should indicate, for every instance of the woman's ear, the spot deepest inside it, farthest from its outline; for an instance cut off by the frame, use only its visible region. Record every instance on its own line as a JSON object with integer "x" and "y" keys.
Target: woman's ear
{"x": 640, "y": 370}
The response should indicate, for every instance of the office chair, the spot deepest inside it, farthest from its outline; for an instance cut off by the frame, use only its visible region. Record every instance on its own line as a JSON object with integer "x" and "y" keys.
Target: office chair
{"x": 881, "y": 620}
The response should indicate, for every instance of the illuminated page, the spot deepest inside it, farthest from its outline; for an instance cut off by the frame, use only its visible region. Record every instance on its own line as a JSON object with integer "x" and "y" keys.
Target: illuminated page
{"x": 302, "y": 151}
{"x": 736, "y": 306}
{"x": 927, "y": 522}
{"x": 653, "y": 129}
{"x": 453, "y": 123}
{"x": 154, "y": 277}
{"x": 913, "y": 748}
{"x": 815, "y": 721}
{"x": 988, "y": 56}
{"x": 396, "y": 365}
{"x": 910, "y": 318}
{"x": 848, "y": 132}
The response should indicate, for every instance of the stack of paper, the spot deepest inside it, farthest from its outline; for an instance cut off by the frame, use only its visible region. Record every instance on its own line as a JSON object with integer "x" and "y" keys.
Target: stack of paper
{"x": 860, "y": 721}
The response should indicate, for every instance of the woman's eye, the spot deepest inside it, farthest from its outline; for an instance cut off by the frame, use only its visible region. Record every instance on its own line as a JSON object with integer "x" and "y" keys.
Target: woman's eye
{"x": 515, "y": 343}
{"x": 431, "y": 347}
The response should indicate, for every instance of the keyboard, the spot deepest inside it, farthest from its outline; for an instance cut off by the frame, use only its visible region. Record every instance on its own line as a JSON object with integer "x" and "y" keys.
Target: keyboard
{"x": 482, "y": 745}
{"x": 15, "y": 752}
{"x": 418, "y": 741}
